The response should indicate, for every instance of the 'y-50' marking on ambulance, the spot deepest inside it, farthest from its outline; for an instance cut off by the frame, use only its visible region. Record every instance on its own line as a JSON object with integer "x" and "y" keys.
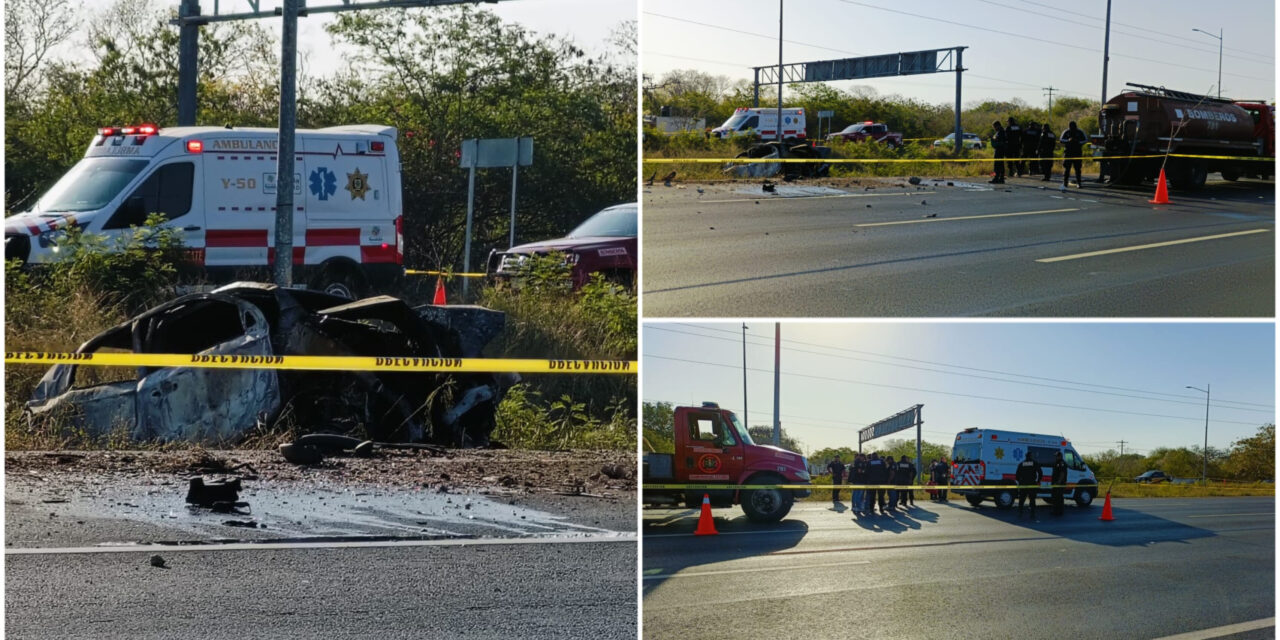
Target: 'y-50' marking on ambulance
{"x": 218, "y": 186}
{"x": 984, "y": 462}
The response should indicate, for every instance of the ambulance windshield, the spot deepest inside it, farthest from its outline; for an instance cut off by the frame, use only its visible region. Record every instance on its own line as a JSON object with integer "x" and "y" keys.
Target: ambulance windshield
{"x": 740, "y": 430}
{"x": 967, "y": 453}
{"x": 90, "y": 185}
{"x": 735, "y": 121}
{"x": 614, "y": 222}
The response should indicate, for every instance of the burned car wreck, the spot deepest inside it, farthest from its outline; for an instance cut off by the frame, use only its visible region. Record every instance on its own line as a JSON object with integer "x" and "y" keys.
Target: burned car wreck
{"x": 225, "y": 405}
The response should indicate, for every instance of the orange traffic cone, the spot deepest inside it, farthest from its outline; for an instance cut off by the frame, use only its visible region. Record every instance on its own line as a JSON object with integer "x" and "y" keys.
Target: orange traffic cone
{"x": 1106, "y": 506}
{"x": 1162, "y": 190}
{"x": 439, "y": 297}
{"x": 705, "y": 526}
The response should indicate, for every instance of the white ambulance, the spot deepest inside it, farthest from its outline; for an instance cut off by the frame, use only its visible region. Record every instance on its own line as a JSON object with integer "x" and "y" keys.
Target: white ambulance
{"x": 988, "y": 458}
{"x": 218, "y": 185}
{"x": 763, "y": 123}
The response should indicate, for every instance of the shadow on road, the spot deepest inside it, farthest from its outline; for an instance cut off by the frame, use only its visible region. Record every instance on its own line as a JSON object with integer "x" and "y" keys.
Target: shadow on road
{"x": 682, "y": 551}
{"x": 1129, "y": 527}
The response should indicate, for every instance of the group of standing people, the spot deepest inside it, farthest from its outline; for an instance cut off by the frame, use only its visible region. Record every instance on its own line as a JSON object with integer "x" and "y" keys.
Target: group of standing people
{"x": 1028, "y": 474}
{"x": 1035, "y": 141}
{"x": 872, "y": 470}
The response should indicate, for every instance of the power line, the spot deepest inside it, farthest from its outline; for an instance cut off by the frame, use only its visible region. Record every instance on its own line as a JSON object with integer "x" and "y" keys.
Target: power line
{"x": 950, "y": 393}
{"x": 1185, "y": 399}
{"x": 1053, "y": 42}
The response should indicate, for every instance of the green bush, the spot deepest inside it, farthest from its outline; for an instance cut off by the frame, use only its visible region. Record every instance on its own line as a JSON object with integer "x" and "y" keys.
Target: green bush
{"x": 527, "y": 421}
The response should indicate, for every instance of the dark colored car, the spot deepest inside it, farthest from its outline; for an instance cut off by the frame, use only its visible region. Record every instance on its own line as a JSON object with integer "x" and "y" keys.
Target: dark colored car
{"x": 1153, "y": 477}
{"x": 605, "y": 243}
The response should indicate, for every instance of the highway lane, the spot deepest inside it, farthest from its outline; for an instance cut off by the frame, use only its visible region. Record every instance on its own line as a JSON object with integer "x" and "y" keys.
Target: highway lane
{"x": 1163, "y": 567}
{"x": 962, "y": 250}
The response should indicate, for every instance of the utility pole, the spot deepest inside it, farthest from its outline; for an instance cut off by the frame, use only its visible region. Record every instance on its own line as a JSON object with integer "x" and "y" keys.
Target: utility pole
{"x": 1122, "y": 448}
{"x": 1106, "y": 56}
{"x": 745, "y": 420}
{"x": 1050, "y": 90}
{"x": 1219, "y": 37}
{"x": 777, "y": 383}
{"x": 780, "y": 73}
{"x": 1204, "y": 475}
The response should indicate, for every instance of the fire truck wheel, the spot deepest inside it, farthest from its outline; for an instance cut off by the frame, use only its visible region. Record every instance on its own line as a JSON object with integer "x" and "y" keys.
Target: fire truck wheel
{"x": 766, "y": 505}
{"x": 1084, "y": 496}
{"x": 340, "y": 280}
{"x": 974, "y": 500}
{"x": 1004, "y": 499}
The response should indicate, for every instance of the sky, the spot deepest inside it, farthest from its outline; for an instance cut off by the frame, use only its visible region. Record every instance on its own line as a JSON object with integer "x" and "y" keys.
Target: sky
{"x": 1001, "y": 66}
{"x": 840, "y": 377}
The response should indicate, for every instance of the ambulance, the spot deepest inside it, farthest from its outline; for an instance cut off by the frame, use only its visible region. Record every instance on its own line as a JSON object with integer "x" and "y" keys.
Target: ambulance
{"x": 764, "y": 123}
{"x": 983, "y": 463}
{"x": 218, "y": 186}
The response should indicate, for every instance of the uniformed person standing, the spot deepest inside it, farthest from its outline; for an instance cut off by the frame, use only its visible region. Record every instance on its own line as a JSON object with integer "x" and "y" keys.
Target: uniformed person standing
{"x": 836, "y": 469}
{"x": 906, "y": 478}
{"x": 1073, "y": 146}
{"x": 891, "y": 479}
{"x": 943, "y": 479}
{"x": 1059, "y": 482}
{"x": 1045, "y": 151}
{"x": 1027, "y": 475}
{"x": 1030, "y": 144}
{"x": 858, "y": 476}
{"x": 877, "y": 474}
{"x": 999, "y": 141}
{"x": 1016, "y": 167}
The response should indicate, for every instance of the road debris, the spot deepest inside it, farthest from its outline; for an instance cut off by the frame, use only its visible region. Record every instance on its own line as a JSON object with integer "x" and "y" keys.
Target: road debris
{"x": 157, "y": 561}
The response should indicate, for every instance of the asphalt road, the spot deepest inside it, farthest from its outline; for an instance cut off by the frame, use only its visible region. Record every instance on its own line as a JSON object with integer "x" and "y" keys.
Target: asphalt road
{"x": 1162, "y": 567}
{"x": 331, "y": 563}
{"x": 969, "y": 249}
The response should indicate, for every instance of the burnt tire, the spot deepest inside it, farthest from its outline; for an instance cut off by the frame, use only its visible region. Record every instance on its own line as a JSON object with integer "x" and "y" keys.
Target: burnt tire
{"x": 766, "y": 505}
{"x": 340, "y": 279}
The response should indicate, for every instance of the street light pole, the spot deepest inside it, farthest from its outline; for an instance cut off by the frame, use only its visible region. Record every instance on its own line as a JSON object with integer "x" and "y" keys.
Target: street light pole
{"x": 1219, "y": 37}
{"x": 1204, "y": 476}
{"x": 744, "y": 376}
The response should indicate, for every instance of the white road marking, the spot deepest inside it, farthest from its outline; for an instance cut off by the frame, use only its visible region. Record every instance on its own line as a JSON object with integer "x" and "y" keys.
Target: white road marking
{"x": 1152, "y": 246}
{"x": 1227, "y": 515}
{"x": 345, "y": 544}
{"x": 990, "y": 215}
{"x": 843, "y": 195}
{"x": 1225, "y": 630}
{"x": 754, "y": 570}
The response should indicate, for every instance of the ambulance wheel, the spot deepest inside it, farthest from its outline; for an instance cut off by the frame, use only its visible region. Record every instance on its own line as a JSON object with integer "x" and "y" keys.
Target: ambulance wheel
{"x": 974, "y": 500}
{"x": 766, "y": 505}
{"x": 340, "y": 280}
{"x": 1084, "y": 496}
{"x": 1004, "y": 499}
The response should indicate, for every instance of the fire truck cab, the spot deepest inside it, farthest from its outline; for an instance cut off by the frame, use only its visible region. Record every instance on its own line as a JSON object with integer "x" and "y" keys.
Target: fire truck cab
{"x": 983, "y": 463}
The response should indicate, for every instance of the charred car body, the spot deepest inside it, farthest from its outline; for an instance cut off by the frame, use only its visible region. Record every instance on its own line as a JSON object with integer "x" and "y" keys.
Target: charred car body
{"x": 223, "y": 405}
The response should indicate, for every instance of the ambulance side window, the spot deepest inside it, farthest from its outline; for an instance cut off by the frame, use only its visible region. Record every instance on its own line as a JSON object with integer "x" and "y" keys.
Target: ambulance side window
{"x": 1044, "y": 456}
{"x": 167, "y": 191}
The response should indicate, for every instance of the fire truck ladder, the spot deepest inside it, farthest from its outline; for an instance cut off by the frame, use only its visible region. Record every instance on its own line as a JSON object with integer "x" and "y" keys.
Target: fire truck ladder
{"x": 1162, "y": 92}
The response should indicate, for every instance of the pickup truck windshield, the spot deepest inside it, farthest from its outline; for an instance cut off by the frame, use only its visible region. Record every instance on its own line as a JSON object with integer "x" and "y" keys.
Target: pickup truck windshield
{"x": 615, "y": 222}
{"x": 853, "y": 128}
{"x": 966, "y": 453}
{"x": 740, "y": 430}
{"x": 90, "y": 185}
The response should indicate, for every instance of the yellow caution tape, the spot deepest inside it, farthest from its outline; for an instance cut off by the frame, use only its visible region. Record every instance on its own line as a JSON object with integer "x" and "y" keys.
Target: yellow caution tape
{"x": 327, "y": 363}
{"x": 936, "y": 160}
{"x": 416, "y": 272}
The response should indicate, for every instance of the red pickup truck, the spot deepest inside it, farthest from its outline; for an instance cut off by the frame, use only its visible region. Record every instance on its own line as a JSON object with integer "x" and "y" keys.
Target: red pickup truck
{"x": 713, "y": 448}
{"x": 868, "y": 131}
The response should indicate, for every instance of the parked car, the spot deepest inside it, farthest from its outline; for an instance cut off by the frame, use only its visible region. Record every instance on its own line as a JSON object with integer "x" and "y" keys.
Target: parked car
{"x": 1153, "y": 477}
{"x": 971, "y": 141}
{"x": 868, "y": 131}
{"x": 605, "y": 243}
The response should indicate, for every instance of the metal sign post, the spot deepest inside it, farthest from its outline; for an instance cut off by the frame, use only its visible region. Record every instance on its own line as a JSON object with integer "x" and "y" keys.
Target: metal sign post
{"x": 904, "y": 419}
{"x": 489, "y": 153}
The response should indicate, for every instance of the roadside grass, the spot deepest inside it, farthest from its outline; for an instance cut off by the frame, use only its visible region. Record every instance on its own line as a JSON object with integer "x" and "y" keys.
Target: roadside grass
{"x": 1216, "y": 488}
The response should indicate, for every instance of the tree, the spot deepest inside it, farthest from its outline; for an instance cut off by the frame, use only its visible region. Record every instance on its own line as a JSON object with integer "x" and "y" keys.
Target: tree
{"x": 763, "y": 434}
{"x": 1254, "y": 458}
{"x": 822, "y": 456}
{"x": 31, "y": 29}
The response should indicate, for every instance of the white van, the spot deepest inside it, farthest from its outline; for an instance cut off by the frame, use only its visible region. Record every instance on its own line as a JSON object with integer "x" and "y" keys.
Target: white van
{"x": 218, "y": 185}
{"x": 988, "y": 458}
{"x": 764, "y": 123}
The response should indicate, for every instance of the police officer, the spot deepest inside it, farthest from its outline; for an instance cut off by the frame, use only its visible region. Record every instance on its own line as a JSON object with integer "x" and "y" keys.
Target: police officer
{"x": 836, "y": 469}
{"x": 1059, "y": 482}
{"x": 1073, "y": 146}
{"x": 906, "y": 478}
{"x": 891, "y": 478}
{"x": 1030, "y": 144}
{"x": 858, "y": 476}
{"x": 1045, "y": 151}
{"x": 1027, "y": 475}
{"x": 999, "y": 141}
{"x": 1014, "y": 147}
{"x": 877, "y": 474}
{"x": 943, "y": 478}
